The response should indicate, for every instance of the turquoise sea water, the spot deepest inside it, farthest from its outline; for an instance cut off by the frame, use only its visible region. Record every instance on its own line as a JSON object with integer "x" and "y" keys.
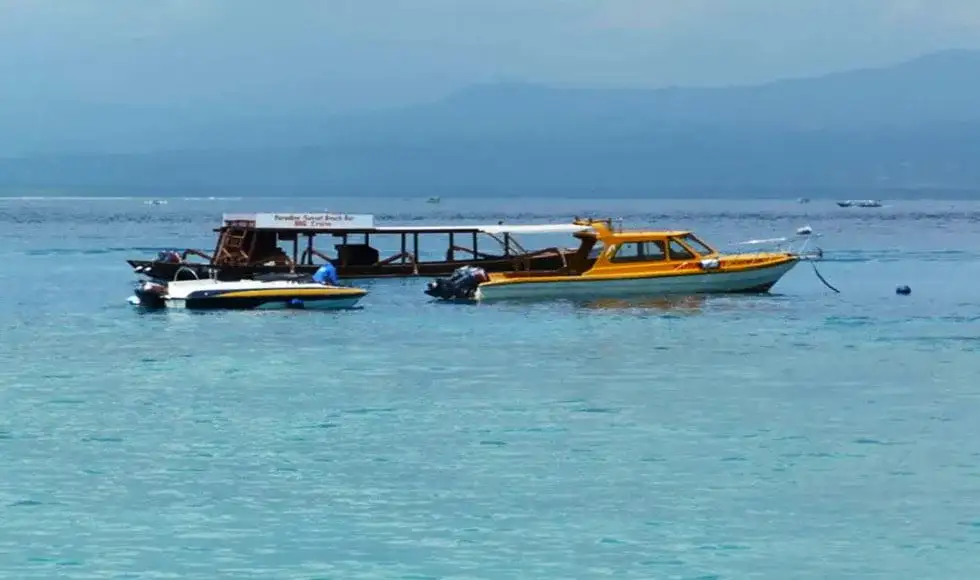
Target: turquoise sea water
{"x": 803, "y": 434}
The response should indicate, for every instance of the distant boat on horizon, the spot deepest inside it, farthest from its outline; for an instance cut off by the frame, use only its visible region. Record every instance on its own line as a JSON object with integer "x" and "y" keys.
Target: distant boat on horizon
{"x": 433, "y": 200}
{"x": 859, "y": 203}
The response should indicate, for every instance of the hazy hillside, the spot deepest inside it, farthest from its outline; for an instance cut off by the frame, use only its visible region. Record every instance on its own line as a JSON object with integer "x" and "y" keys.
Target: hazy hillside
{"x": 915, "y": 125}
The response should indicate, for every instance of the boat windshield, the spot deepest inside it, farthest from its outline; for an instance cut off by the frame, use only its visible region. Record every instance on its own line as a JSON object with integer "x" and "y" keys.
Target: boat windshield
{"x": 697, "y": 245}
{"x": 679, "y": 252}
{"x": 648, "y": 251}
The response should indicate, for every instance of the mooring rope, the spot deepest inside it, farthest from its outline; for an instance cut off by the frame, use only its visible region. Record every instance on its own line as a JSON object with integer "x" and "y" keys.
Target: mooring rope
{"x": 822, "y": 279}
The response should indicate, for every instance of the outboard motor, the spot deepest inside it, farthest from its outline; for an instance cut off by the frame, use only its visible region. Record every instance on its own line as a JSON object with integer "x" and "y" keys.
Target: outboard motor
{"x": 460, "y": 286}
{"x": 151, "y": 294}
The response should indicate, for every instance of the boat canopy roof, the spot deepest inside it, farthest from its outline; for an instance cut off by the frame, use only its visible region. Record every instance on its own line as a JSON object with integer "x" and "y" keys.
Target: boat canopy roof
{"x": 499, "y": 228}
{"x": 639, "y": 235}
{"x": 339, "y": 224}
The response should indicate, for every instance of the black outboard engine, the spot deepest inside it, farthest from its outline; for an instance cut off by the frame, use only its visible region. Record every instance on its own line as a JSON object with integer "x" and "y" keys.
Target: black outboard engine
{"x": 460, "y": 286}
{"x": 151, "y": 294}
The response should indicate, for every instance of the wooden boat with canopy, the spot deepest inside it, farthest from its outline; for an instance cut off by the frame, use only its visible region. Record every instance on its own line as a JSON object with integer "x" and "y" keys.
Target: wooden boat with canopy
{"x": 250, "y": 246}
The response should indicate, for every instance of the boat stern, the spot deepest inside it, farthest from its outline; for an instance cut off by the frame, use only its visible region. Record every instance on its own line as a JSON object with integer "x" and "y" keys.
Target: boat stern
{"x": 461, "y": 286}
{"x": 147, "y": 294}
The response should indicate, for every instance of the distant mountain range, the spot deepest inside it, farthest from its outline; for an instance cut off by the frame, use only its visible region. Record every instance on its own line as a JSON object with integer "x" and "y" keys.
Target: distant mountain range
{"x": 909, "y": 129}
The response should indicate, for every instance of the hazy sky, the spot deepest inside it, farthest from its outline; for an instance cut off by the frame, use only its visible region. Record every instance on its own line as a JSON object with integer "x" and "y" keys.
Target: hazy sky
{"x": 344, "y": 54}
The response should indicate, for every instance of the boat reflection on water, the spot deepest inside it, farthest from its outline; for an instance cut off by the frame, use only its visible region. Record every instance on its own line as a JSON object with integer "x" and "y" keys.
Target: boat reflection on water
{"x": 692, "y": 304}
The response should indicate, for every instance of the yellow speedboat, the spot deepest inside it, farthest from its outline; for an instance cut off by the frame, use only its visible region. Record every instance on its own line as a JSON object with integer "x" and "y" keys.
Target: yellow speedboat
{"x": 619, "y": 264}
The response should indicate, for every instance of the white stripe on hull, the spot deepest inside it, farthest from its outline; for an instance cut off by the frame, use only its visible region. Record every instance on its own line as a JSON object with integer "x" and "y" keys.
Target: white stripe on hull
{"x": 707, "y": 283}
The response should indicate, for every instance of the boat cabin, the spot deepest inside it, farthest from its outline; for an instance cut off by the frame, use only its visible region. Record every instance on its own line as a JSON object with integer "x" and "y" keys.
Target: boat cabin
{"x": 603, "y": 248}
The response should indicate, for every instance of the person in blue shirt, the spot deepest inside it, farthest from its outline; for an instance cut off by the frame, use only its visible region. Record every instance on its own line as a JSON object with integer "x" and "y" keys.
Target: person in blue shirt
{"x": 326, "y": 275}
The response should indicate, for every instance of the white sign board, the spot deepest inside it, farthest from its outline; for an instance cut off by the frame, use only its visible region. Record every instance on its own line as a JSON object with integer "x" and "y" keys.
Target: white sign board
{"x": 305, "y": 221}
{"x": 238, "y": 217}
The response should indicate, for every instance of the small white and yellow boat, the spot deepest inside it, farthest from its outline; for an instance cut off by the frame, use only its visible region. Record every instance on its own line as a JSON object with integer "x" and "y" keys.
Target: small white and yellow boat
{"x": 210, "y": 294}
{"x": 623, "y": 264}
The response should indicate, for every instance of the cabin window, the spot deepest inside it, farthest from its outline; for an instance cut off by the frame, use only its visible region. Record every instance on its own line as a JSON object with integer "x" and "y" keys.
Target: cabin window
{"x": 651, "y": 251}
{"x": 629, "y": 252}
{"x": 698, "y": 246}
{"x": 654, "y": 251}
{"x": 679, "y": 252}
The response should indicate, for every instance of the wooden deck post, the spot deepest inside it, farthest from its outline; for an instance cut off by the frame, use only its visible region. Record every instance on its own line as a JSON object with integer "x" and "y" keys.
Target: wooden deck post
{"x": 415, "y": 253}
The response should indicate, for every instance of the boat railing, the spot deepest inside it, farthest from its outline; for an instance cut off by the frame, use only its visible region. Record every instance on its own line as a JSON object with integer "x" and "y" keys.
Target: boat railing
{"x": 407, "y": 256}
{"x": 193, "y": 252}
{"x": 476, "y": 255}
{"x": 524, "y": 260}
{"x": 507, "y": 243}
{"x": 307, "y": 256}
{"x": 797, "y": 244}
{"x": 753, "y": 260}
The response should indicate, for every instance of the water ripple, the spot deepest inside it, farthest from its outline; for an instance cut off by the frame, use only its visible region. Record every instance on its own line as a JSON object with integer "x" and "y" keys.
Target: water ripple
{"x": 731, "y": 437}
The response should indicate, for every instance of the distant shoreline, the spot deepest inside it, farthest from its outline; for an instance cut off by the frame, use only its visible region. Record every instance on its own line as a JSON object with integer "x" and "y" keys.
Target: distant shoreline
{"x": 789, "y": 195}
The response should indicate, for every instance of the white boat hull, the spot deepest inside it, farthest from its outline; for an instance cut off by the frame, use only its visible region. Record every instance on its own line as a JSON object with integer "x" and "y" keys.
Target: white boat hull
{"x": 246, "y": 295}
{"x": 756, "y": 280}
{"x": 335, "y": 304}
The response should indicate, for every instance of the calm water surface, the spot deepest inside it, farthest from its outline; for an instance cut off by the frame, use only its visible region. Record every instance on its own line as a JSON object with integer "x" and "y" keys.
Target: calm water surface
{"x": 804, "y": 434}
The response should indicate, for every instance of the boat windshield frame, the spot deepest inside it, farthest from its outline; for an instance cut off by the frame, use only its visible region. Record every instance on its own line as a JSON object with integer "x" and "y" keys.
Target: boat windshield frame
{"x": 694, "y": 244}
